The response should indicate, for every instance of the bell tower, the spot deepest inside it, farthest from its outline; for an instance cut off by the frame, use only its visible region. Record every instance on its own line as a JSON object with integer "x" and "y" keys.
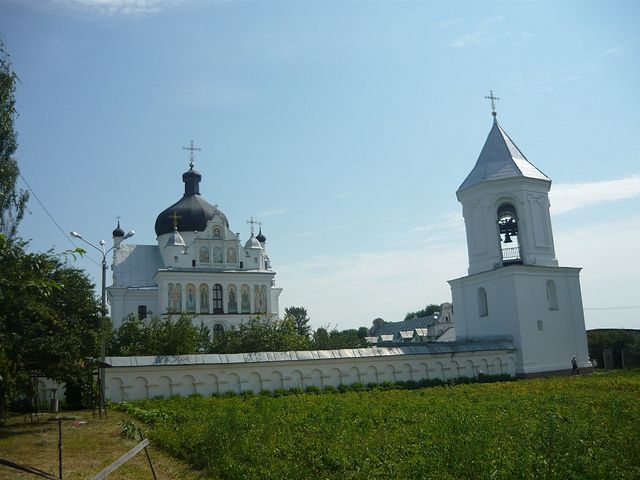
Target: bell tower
{"x": 505, "y": 204}
{"x": 515, "y": 289}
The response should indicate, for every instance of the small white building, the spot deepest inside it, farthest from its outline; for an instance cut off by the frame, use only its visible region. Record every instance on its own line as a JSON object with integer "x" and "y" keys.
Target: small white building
{"x": 515, "y": 288}
{"x": 198, "y": 267}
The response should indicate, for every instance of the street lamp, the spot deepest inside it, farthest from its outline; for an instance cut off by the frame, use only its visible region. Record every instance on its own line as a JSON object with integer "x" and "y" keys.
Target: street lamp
{"x": 104, "y": 253}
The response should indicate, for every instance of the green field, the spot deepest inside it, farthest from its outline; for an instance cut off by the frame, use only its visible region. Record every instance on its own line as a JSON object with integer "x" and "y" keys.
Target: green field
{"x": 564, "y": 428}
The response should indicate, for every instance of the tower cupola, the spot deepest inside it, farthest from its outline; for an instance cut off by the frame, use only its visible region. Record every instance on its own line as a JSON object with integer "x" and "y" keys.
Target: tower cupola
{"x": 505, "y": 200}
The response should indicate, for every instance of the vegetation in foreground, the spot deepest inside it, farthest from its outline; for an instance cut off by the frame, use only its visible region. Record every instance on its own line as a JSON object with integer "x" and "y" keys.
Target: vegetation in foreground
{"x": 87, "y": 449}
{"x": 564, "y": 428}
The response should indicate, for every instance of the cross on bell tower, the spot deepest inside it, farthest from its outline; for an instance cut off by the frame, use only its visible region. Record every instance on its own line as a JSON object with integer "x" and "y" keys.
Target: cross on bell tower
{"x": 493, "y": 99}
{"x": 192, "y": 149}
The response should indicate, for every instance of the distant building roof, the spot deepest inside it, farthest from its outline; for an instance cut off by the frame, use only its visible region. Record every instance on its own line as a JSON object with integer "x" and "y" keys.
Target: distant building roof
{"x": 262, "y": 357}
{"x": 392, "y": 328}
{"x": 449, "y": 335}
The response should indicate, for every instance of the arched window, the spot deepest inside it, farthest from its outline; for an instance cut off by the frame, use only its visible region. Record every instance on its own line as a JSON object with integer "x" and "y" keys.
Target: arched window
{"x": 204, "y": 298}
{"x": 508, "y": 233}
{"x": 483, "y": 308}
{"x": 217, "y": 299}
{"x": 142, "y": 312}
{"x": 217, "y": 329}
{"x": 204, "y": 255}
{"x": 552, "y": 295}
{"x": 232, "y": 303}
{"x": 191, "y": 298}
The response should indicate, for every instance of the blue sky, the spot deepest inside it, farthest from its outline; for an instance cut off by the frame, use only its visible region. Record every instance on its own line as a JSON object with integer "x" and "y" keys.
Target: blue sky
{"x": 345, "y": 127}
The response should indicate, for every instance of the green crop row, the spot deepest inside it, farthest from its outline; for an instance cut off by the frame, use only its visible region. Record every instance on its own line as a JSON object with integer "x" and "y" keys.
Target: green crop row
{"x": 585, "y": 427}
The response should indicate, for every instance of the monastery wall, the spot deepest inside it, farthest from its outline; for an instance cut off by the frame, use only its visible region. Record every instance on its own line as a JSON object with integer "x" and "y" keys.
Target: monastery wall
{"x": 133, "y": 378}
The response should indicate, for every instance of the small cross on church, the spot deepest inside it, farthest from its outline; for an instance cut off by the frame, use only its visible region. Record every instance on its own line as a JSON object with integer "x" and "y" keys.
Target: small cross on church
{"x": 192, "y": 149}
{"x": 175, "y": 217}
{"x": 493, "y": 102}
{"x": 253, "y": 222}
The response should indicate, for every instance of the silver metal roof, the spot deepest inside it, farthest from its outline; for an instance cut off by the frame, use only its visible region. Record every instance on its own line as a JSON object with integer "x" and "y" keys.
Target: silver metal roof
{"x": 449, "y": 335}
{"x": 500, "y": 158}
{"x": 267, "y": 357}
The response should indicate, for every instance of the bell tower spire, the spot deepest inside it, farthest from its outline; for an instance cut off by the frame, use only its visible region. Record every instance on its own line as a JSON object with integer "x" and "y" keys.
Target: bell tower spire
{"x": 505, "y": 204}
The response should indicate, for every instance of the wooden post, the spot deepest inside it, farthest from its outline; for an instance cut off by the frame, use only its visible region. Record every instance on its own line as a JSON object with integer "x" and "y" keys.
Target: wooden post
{"x": 146, "y": 451}
{"x": 60, "y": 447}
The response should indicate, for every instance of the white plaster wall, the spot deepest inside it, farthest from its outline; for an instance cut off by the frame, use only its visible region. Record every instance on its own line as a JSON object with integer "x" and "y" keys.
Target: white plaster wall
{"x": 535, "y": 236}
{"x": 517, "y": 301}
{"x": 132, "y": 383}
{"x": 125, "y": 301}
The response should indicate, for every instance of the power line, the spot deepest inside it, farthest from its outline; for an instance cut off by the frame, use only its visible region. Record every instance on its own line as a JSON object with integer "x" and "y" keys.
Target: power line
{"x": 53, "y": 219}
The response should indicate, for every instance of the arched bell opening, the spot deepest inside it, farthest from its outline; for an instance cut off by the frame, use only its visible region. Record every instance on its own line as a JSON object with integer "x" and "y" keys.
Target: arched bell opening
{"x": 507, "y": 219}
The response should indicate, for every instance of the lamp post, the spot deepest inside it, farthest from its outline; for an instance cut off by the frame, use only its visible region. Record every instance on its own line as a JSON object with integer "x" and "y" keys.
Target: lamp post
{"x": 103, "y": 251}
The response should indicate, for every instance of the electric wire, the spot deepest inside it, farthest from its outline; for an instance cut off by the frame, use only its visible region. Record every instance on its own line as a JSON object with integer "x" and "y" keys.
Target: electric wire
{"x": 53, "y": 219}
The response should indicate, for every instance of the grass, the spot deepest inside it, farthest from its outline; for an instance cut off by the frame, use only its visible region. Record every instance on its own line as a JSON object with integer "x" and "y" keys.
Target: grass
{"x": 585, "y": 427}
{"x": 87, "y": 449}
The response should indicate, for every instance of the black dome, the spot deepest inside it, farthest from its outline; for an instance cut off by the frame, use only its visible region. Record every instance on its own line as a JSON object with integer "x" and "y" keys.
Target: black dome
{"x": 192, "y": 212}
{"x": 118, "y": 232}
{"x": 261, "y": 238}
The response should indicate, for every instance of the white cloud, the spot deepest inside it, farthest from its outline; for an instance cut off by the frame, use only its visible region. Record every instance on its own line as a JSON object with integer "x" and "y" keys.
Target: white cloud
{"x": 125, "y": 7}
{"x": 342, "y": 195}
{"x": 351, "y": 291}
{"x": 571, "y": 196}
{"x": 275, "y": 211}
{"x": 610, "y": 266}
{"x": 449, "y": 22}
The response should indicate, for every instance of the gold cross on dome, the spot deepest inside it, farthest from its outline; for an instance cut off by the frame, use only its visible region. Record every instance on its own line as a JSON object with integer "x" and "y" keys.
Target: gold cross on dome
{"x": 174, "y": 217}
{"x": 493, "y": 102}
{"x": 192, "y": 149}
{"x": 253, "y": 222}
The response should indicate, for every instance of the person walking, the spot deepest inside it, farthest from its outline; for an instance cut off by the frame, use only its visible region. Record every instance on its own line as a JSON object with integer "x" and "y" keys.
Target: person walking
{"x": 574, "y": 366}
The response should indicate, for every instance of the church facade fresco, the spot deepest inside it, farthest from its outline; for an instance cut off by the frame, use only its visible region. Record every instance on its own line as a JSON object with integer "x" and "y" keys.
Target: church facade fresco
{"x": 198, "y": 267}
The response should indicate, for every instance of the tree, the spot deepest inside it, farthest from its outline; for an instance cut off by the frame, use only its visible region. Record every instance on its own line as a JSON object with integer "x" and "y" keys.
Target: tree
{"x": 49, "y": 317}
{"x": 158, "y": 336}
{"x": 12, "y": 201}
{"x": 300, "y": 319}
{"x": 261, "y": 334}
{"x": 425, "y": 312}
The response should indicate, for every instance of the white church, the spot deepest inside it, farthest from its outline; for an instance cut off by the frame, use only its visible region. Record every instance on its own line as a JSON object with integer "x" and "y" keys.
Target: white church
{"x": 517, "y": 312}
{"x": 198, "y": 267}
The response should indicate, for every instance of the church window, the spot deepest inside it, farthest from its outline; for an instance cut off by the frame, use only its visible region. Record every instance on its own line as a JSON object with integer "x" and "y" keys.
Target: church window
{"x": 217, "y": 255}
{"x": 483, "y": 308}
{"x": 246, "y": 300}
{"x": 175, "y": 259}
{"x": 552, "y": 295}
{"x": 142, "y": 312}
{"x": 232, "y": 256}
{"x": 191, "y": 298}
{"x": 540, "y": 325}
{"x": 204, "y": 255}
{"x": 204, "y": 298}
{"x": 217, "y": 329}
{"x": 232, "y": 295}
{"x": 217, "y": 299}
